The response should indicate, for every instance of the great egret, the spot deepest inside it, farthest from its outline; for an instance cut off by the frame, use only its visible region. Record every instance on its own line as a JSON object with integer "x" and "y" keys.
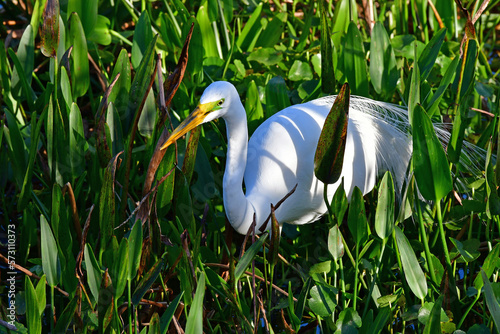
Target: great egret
{"x": 280, "y": 154}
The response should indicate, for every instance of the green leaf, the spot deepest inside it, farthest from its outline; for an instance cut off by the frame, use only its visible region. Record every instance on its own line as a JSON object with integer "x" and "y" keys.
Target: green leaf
{"x": 251, "y": 31}
{"x": 384, "y": 216}
{"x": 33, "y": 314}
{"x": 323, "y": 299}
{"x": 491, "y": 301}
{"x": 67, "y": 316}
{"x": 490, "y": 264}
{"x": 253, "y": 107}
{"x": 426, "y": 312}
{"x": 383, "y": 71}
{"x": 339, "y": 203}
{"x": 276, "y": 96}
{"x": 429, "y": 160}
{"x": 429, "y": 55}
{"x": 354, "y": 61}
{"x": 272, "y": 33}
{"x": 335, "y": 244}
{"x": 434, "y": 323}
{"x": 80, "y": 66}
{"x": 329, "y": 156}
{"x": 107, "y": 206}
{"x": 300, "y": 71}
{"x": 432, "y": 106}
{"x": 266, "y": 56}
{"x": 207, "y": 33}
{"x": 381, "y": 320}
{"x": 414, "y": 89}
{"x": 28, "y": 95}
{"x": 411, "y": 268}
{"x": 50, "y": 258}
{"x": 194, "y": 322}
{"x": 327, "y": 69}
{"x": 356, "y": 219}
{"x": 167, "y": 316}
{"x": 348, "y": 321}
{"x": 119, "y": 269}
{"x": 143, "y": 35}
{"x": 147, "y": 121}
{"x": 87, "y": 11}
{"x": 341, "y": 18}
{"x": 50, "y": 28}
{"x": 94, "y": 275}
{"x": 148, "y": 279}
{"x": 26, "y": 56}
{"x": 101, "y": 34}
{"x": 66, "y": 87}
{"x": 77, "y": 143}
{"x": 249, "y": 256}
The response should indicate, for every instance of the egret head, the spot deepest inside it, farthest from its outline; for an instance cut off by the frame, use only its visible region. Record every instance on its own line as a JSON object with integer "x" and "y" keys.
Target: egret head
{"x": 214, "y": 103}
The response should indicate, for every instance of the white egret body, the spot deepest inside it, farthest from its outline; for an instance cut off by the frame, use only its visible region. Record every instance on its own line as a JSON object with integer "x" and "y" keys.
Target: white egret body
{"x": 280, "y": 154}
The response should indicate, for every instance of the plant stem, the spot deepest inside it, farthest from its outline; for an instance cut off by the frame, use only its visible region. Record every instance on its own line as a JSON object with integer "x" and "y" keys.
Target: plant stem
{"x": 428, "y": 257}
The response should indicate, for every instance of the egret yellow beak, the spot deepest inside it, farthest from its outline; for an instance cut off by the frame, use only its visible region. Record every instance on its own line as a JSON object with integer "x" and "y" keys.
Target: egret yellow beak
{"x": 193, "y": 120}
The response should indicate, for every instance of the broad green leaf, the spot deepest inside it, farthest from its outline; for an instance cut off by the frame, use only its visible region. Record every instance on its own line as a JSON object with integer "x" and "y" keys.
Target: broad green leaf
{"x": 66, "y": 87}
{"x": 87, "y": 11}
{"x": 26, "y": 56}
{"x": 414, "y": 89}
{"x": 276, "y": 96}
{"x": 341, "y": 18}
{"x": 323, "y": 299}
{"x": 77, "y": 143}
{"x": 253, "y": 107}
{"x": 300, "y": 71}
{"x": 50, "y": 256}
{"x": 425, "y": 313}
{"x": 119, "y": 269}
{"x": 272, "y": 33}
{"x": 143, "y": 35}
{"x": 16, "y": 146}
{"x": 490, "y": 264}
{"x": 33, "y": 315}
{"x": 94, "y": 275}
{"x": 266, "y": 56}
{"x": 383, "y": 71}
{"x": 384, "y": 216}
{"x": 80, "y": 75}
{"x": 428, "y": 57}
{"x": 329, "y": 156}
{"x": 448, "y": 12}
{"x": 207, "y": 33}
{"x": 468, "y": 249}
{"x": 167, "y": 316}
{"x": 356, "y": 219}
{"x": 383, "y": 317}
{"x": 107, "y": 203}
{"x": 41, "y": 294}
{"x": 354, "y": 61}
{"x": 253, "y": 27}
{"x": 50, "y": 28}
{"x": 429, "y": 160}
{"x": 301, "y": 302}
{"x": 101, "y": 34}
{"x": 433, "y": 104}
{"x": 147, "y": 121}
{"x": 335, "y": 244}
{"x": 491, "y": 301}
{"x": 348, "y": 321}
{"x": 249, "y": 255}
{"x": 327, "y": 69}
{"x": 411, "y": 268}
{"x": 154, "y": 323}
{"x": 134, "y": 249}
{"x": 339, "y": 203}
{"x": 194, "y": 322}
{"x": 147, "y": 280}
{"x": 435, "y": 317}
{"x": 139, "y": 87}
{"x": 466, "y": 71}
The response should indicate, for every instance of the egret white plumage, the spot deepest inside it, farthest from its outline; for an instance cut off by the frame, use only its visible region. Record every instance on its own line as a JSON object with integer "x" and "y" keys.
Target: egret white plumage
{"x": 280, "y": 154}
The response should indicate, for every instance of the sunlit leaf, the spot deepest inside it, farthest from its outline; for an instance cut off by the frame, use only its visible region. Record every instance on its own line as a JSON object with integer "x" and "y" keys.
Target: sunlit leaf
{"x": 194, "y": 323}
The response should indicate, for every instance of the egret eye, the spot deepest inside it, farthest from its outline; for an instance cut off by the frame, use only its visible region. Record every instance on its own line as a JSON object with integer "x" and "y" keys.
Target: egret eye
{"x": 221, "y": 101}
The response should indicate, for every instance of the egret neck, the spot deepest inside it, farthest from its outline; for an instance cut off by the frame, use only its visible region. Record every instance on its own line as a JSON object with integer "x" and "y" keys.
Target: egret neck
{"x": 238, "y": 209}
